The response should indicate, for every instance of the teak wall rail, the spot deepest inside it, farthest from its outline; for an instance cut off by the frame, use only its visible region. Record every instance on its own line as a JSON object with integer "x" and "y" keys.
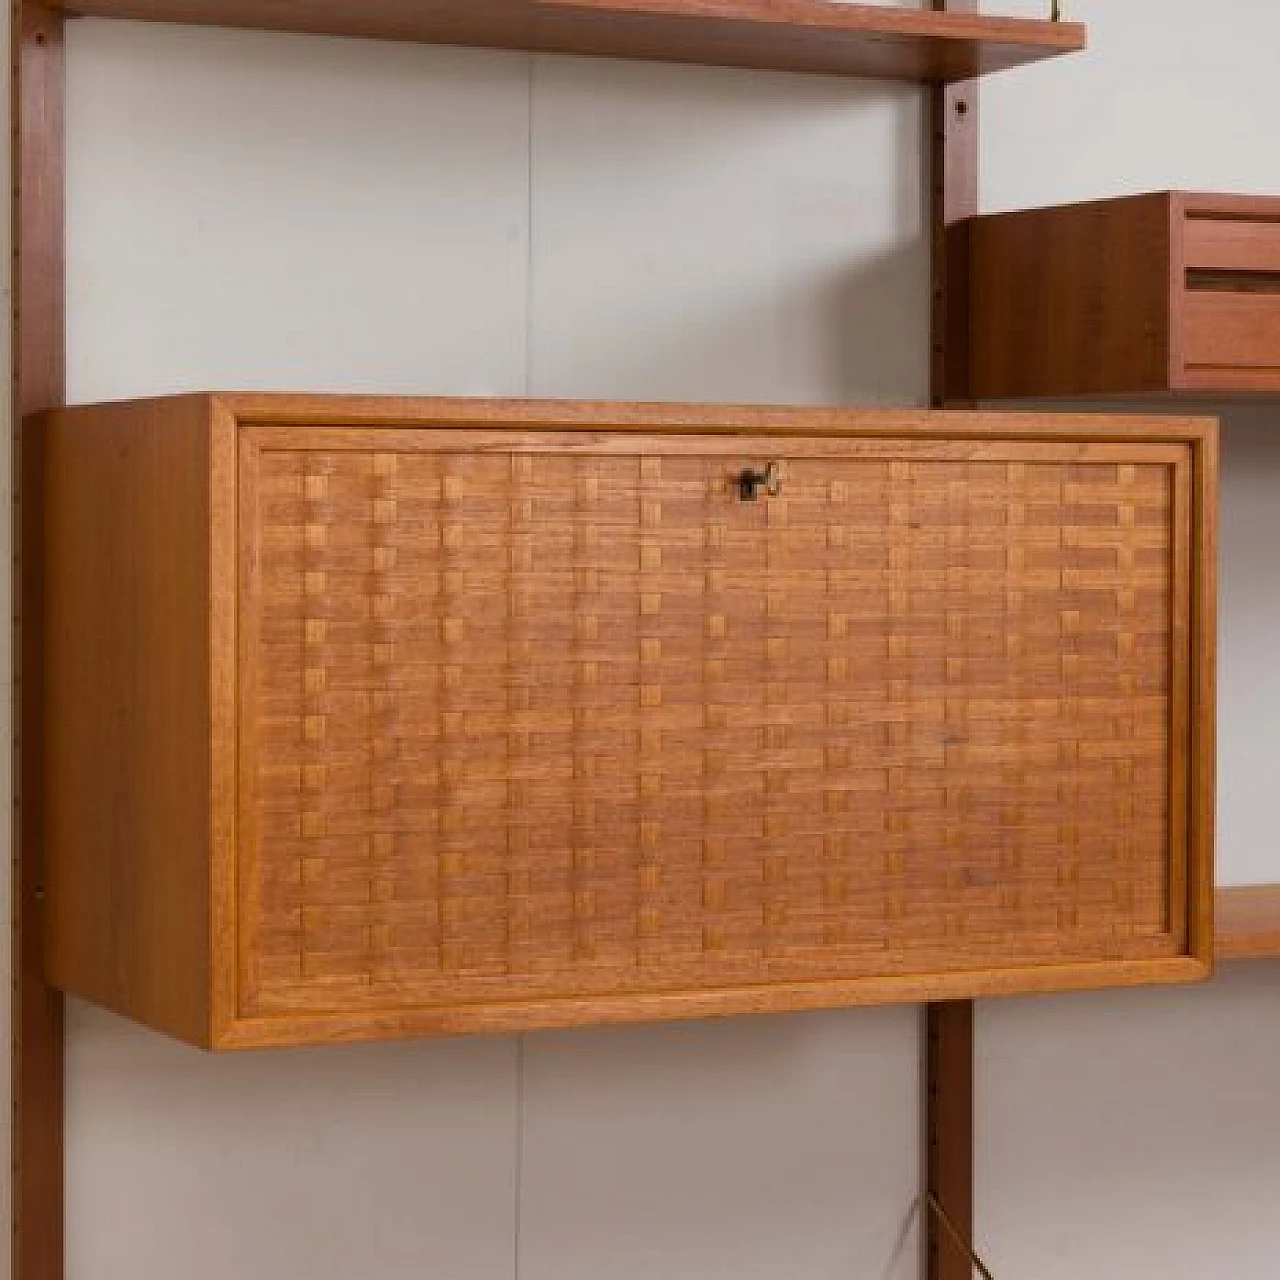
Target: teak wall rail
{"x": 39, "y": 348}
{"x": 937, "y": 47}
{"x": 947, "y": 1029}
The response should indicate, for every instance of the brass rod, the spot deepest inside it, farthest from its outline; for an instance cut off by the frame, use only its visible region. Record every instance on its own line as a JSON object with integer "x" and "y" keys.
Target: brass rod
{"x": 961, "y": 1243}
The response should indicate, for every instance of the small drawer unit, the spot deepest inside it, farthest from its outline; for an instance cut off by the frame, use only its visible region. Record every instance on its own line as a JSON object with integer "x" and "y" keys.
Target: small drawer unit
{"x": 370, "y": 718}
{"x": 1147, "y": 294}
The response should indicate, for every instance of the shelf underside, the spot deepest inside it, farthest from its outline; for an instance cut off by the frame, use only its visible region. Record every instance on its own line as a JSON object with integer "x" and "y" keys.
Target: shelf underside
{"x": 822, "y": 36}
{"x": 1248, "y": 923}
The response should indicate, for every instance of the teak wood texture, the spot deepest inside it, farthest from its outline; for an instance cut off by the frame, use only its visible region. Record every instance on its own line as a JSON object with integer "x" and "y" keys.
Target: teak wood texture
{"x": 38, "y": 361}
{"x": 1248, "y": 923}
{"x": 949, "y": 1140}
{"x": 1140, "y": 295}
{"x": 386, "y": 717}
{"x": 947, "y": 1040}
{"x": 824, "y": 36}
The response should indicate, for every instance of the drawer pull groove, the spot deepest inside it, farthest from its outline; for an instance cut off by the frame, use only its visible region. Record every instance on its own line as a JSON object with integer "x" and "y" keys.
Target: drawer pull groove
{"x": 1200, "y": 280}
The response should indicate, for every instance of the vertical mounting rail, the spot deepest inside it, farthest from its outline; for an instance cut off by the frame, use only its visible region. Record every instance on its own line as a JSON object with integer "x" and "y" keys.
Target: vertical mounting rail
{"x": 948, "y": 1039}
{"x": 953, "y": 159}
{"x": 949, "y": 1138}
{"x": 39, "y": 371}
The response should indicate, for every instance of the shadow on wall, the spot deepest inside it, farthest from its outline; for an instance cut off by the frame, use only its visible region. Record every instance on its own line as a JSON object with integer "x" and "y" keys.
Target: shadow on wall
{"x": 721, "y": 235}
{"x": 411, "y": 219}
{"x": 764, "y": 1148}
{"x": 1249, "y": 640}
{"x": 1104, "y": 1118}
{"x": 826, "y": 336}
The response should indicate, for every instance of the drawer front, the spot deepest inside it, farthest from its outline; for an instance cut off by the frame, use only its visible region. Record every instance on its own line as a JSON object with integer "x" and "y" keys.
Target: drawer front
{"x": 1240, "y": 244}
{"x": 1230, "y": 324}
{"x": 1232, "y": 330}
{"x": 569, "y": 720}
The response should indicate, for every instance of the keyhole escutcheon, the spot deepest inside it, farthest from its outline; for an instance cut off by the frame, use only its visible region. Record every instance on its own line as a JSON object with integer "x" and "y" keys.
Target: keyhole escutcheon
{"x": 752, "y": 483}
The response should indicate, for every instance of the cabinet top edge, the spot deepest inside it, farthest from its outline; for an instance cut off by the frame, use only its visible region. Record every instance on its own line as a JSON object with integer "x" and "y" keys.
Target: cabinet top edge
{"x": 255, "y": 409}
{"x": 1196, "y": 204}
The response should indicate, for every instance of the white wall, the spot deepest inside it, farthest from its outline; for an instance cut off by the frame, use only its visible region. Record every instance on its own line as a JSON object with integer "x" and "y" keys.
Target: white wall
{"x": 261, "y": 211}
{"x": 1172, "y": 95}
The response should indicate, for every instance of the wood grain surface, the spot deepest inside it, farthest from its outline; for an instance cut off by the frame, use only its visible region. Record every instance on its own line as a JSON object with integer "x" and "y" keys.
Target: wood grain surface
{"x": 947, "y": 1068}
{"x": 1248, "y": 923}
{"x": 538, "y": 722}
{"x": 949, "y": 1135}
{"x": 38, "y": 352}
{"x": 1071, "y": 301}
{"x": 825, "y": 36}
{"x": 1140, "y": 295}
{"x": 128, "y": 743}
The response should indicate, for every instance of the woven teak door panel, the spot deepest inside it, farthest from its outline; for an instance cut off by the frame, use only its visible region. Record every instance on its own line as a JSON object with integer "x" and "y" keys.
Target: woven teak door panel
{"x": 375, "y": 718}
{"x": 546, "y": 724}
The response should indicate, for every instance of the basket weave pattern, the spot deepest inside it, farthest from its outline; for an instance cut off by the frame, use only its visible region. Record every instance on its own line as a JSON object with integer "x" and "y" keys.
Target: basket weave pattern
{"x": 549, "y": 723}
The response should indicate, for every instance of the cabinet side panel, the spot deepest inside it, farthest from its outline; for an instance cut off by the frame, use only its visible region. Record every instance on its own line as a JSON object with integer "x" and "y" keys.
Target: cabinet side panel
{"x": 1071, "y": 301}
{"x": 127, "y": 751}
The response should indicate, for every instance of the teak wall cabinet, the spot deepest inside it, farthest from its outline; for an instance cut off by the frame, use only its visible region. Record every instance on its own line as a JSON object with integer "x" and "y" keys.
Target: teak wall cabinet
{"x": 1133, "y": 296}
{"x": 370, "y": 718}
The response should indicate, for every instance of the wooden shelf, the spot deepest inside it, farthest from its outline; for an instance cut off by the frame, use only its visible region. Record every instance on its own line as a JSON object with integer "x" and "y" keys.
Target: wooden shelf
{"x": 1248, "y": 923}
{"x": 823, "y": 36}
